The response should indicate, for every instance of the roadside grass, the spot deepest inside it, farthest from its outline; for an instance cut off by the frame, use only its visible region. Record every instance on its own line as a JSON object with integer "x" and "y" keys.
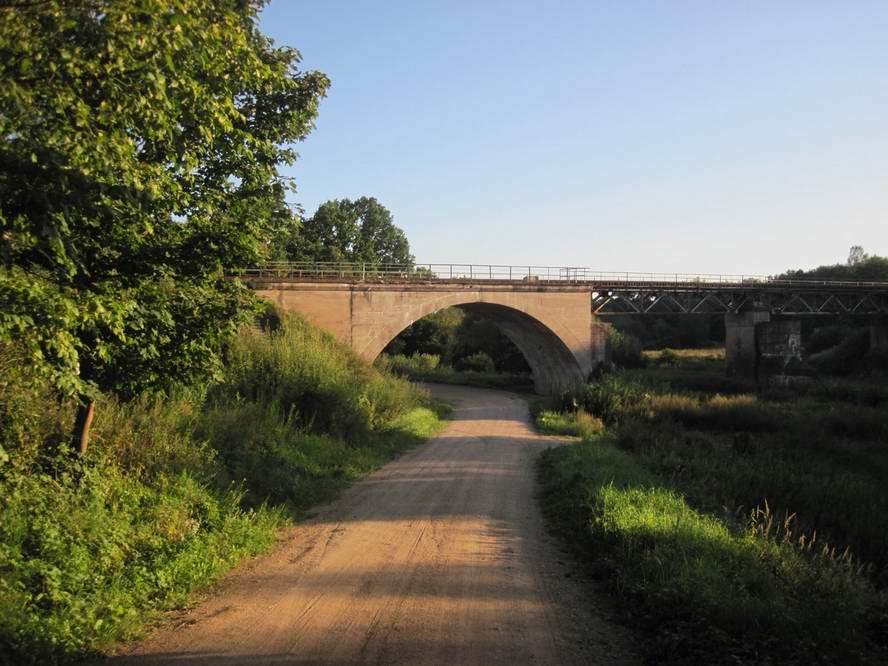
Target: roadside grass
{"x": 176, "y": 490}
{"x": 711, "y": 591}
{"x": 280, "y": 465}
{"x": 743, "y": 523}
{"x": 426, "y": 368}
{"x": 573, "y": 424}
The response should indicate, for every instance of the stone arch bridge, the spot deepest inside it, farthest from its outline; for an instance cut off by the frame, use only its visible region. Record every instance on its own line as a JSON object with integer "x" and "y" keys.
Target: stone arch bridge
{"x": 556, "y": 316}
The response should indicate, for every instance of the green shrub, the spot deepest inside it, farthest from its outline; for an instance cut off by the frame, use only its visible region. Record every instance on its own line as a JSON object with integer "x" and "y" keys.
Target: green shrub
{"x": 625, "y": 350}
{"x": 282, "y": 465}
{"x": 668, "y": 358}
{"x": 87, "y": 549}
{"x": 477, "y": 362}
{"x": 826, "y": 337}
{"x": 738, "y": 413}
{"x": 845, "y": 357}
{"x": 607, "y": 399}
{"x": 426, "y": 368}
{"x": 408, "y": 365}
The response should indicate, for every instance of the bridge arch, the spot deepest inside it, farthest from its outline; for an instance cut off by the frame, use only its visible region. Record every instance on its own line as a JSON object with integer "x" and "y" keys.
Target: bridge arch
{"x": 553, "y": 330}
{"x": 551, "y": 362}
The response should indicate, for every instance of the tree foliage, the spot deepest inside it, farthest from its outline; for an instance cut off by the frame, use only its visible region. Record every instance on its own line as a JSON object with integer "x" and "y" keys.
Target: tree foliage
{"x": 860, "y": 266}
{"x": 138, "y": 165}
{"x": 454, "y": 336}
{"x": 355, "y": 231}
{"x": 856, "y": 255}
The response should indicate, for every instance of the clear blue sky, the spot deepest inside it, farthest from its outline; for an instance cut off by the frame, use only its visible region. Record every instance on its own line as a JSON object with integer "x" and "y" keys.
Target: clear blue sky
{"x": 719, "y": 137}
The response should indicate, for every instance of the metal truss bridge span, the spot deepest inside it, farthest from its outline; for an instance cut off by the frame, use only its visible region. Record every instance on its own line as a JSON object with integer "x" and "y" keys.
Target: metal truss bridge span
{"x": 613, "y": 293}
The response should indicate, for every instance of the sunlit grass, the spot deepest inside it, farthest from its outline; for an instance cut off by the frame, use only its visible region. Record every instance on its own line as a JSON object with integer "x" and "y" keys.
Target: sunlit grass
{"x": 687, "y": 568}
{"x": 676, "y": 492}
{"x": 708, "y": 354}
{"x": 574, "y": 424}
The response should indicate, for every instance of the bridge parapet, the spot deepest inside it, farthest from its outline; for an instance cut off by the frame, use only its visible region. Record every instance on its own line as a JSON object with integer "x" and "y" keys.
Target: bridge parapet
{"x": 613, "y": 293}
{"x": 555, "y": 275}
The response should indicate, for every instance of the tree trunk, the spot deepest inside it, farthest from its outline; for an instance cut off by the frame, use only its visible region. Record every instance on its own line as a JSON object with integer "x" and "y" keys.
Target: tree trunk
{"x": 82, "y": 424}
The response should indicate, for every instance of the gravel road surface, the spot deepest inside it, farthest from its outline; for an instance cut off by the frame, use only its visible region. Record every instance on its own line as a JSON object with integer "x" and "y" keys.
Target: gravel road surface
{"x": 440, "y": 557}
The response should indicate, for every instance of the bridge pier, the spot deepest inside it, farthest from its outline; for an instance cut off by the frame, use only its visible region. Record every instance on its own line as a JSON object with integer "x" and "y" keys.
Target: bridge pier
{"x": 879, "y": 336}
{"x": 758, "y": 349}
{"x": 599, "y": 344}
{"x": 741, "y": 349}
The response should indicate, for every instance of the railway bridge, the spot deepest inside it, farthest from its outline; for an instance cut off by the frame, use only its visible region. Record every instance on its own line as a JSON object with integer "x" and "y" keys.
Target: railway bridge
{"x": 557, "y": 316}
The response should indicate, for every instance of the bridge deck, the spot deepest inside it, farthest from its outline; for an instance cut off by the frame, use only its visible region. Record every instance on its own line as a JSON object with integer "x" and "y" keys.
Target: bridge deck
{"x": 612, "y": 293}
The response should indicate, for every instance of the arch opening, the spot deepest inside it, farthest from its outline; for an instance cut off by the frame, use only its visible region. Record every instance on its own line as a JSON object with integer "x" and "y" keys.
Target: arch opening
{"x": 552, "y": 365}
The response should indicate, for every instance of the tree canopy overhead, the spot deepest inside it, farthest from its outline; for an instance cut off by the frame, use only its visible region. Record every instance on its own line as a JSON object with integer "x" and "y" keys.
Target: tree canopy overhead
{"x": 356, "y": 231}
{"x": 141, "y": 141}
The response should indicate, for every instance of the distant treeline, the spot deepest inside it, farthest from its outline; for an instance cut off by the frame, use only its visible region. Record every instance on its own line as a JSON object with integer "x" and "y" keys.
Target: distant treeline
{"x": 860, "y": 266}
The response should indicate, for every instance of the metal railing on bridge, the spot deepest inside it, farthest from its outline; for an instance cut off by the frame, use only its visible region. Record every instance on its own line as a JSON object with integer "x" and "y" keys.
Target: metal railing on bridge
{"x": 500, "y": 273}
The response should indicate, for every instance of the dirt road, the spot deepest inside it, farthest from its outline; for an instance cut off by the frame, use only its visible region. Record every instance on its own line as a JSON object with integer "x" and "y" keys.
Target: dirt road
{"x": 441, "y": 557}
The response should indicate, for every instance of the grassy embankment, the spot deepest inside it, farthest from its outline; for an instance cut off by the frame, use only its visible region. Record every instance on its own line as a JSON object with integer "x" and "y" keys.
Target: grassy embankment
{"x": 176, "y": 491}
{"x": 736, "y": 526}
{"x": 428, "y": 368}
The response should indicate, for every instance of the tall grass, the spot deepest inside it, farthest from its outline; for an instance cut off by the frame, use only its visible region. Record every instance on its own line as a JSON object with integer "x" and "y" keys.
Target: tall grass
{"x": 175, "y": 490}
{"x": 682, "y": 491}
{"x": 314, "y": 380}
{"x": 705, "y": 589}
{"x": 574, "y": 424}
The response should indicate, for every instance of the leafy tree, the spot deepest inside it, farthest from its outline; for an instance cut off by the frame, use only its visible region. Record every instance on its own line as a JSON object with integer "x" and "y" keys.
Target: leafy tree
{"x": 138, "y": 165}
{"x": 353, "y": 231}
{"x": 433, "y": 334}
{"x": 860, "y": 266}
{"x": 479, "y": 335}
{"x": 455, "y": 335}
{"x": 856, "y": 255}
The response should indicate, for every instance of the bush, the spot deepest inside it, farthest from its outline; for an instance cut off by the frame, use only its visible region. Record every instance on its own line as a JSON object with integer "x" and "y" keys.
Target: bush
{"x": 738, "y": 413}
{"x": 88, "y": 547}
{"x": 668, "y": 358}
{"x": 844, "y": 358}
{"x": 625, "y": 350}
{"x": 607, "y": 399}
{"x": 826, "y": 337}
{"x": 408, "y": 365}
{"x": 477, "y": 362}
{"x": 426, "y": 368}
